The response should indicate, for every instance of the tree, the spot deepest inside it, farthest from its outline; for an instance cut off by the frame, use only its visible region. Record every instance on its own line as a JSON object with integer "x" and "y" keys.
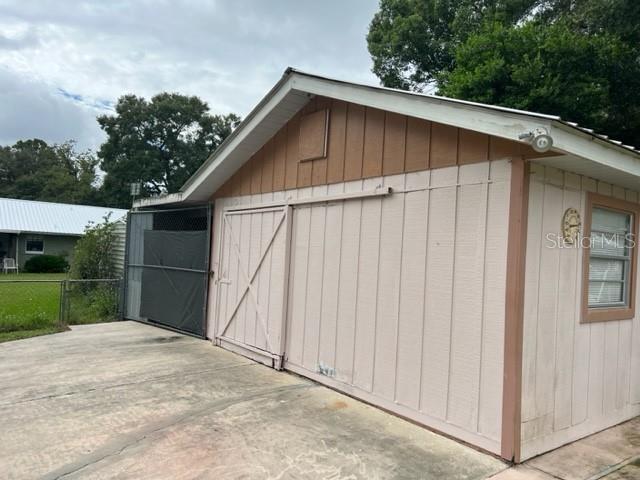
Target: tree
{"x": 579, "y": 59}
{"x": 159, "y": 143}
{"x": 582, "y": 78}
{"x": 34, "y": 170}
{"x": 412, "y": 41}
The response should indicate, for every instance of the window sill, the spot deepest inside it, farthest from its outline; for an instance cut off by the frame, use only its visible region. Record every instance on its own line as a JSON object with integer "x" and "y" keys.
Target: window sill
{"x": 593, "y": 315}
{"x": 27, "y": 252}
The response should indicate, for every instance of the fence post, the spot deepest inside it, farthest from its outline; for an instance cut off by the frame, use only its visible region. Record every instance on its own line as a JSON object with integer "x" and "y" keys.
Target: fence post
{"x": 67, "y": 302}
{"x": 120, "y": 290}
{"x": 61, "y": 314}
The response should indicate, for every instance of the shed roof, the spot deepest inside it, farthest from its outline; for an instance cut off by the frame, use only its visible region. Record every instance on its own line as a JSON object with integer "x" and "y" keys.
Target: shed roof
{"x": 579, "y": 149}
{"x": 17, "y": 216}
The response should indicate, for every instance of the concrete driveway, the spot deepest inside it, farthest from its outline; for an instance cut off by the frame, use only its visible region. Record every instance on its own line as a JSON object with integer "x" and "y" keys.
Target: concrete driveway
{"x": 125, "y": 400}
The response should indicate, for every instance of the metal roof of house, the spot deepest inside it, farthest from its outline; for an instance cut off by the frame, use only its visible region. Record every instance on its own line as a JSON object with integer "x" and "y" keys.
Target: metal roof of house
{"x": 17, "y": 216}
{"x": 579, "y": 149}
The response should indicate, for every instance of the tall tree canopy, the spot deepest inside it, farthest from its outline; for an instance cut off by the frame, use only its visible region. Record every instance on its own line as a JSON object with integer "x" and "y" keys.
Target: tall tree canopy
{"x": 34, "y": 170}
{"x": 159, "y": 143}
{"x": 579, "y": 59}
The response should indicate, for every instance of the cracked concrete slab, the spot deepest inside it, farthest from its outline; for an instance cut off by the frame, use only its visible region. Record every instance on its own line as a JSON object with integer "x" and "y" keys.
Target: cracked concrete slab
{"x": 126, "y": 400}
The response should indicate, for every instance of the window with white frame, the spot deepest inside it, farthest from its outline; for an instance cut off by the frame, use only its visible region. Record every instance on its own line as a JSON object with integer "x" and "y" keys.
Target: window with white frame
{"x": 34, "y": 245}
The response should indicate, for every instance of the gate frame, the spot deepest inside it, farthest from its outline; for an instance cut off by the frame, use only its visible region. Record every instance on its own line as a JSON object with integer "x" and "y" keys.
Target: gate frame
{"x": 207, "y": 270}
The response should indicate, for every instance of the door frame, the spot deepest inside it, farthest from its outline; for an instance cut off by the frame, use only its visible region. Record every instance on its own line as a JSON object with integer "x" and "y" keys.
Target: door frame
{"x": 275, "y": 357}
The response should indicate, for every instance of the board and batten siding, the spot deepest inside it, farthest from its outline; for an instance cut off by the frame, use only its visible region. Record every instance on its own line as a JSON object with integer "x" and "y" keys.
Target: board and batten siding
{"x": 400, "y": 300}
{"x": 578, "y": 378}
{"x": 362, "y": 142}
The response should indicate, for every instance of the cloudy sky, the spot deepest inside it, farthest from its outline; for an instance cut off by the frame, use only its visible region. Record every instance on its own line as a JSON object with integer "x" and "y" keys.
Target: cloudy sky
{"x": 64, "y": 62}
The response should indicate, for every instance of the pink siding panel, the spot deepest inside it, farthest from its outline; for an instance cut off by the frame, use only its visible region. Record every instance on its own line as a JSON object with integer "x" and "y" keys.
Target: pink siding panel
{"x": 466, "y": 328}
{"x": 411, "y": 314}
{"x": 590, "y": 364}
{"x": 439, "y": 293}
{"x": 348, "y": 293}
{"x": 330, "y": 285}
{"x": 389, "y": 270}
{"x": 367, "y": 294}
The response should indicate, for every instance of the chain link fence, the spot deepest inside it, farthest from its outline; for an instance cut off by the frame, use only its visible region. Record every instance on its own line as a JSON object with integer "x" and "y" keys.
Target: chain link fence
{"x": 49, "y": 305}
{"x": 166, "y": 268}
{"x": 90, "y": 301}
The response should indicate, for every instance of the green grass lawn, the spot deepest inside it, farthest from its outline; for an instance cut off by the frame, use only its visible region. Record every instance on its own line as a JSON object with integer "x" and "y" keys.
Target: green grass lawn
{"x": 29, "y": 308}
{"x": 32, "y": 308}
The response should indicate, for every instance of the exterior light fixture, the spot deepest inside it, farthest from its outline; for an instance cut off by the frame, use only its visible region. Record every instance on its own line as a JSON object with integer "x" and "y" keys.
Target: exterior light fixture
{"x": 539, "y": 139}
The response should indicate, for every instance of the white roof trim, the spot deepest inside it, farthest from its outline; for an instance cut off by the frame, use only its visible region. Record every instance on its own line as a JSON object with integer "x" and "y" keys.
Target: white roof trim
{"x": 289, "y": 94}
{"x": 576, "y": 142}
{"x": 168, "y": 199}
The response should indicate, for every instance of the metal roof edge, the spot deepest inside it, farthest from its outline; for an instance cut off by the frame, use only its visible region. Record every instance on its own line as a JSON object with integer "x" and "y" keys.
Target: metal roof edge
{"x": 599, "y": 138}
{"x": 74, "y": 205}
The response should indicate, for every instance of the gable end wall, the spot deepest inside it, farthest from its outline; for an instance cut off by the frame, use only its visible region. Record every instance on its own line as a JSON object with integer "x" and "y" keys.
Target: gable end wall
{"x": 362, "y": 142}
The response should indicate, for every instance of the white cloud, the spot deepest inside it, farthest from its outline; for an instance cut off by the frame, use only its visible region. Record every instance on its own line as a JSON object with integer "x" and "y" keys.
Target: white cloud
{"x": 31, "y": 109}
{"x": 227, "y": 52}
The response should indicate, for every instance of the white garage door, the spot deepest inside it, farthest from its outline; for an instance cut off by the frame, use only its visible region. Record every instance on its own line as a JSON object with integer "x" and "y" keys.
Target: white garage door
{"x": 252, "y": 283}
{"x": 399, "y": 300}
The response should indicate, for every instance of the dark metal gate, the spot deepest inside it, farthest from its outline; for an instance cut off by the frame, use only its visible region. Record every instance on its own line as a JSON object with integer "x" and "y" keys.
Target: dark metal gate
{"x": 167, "y": 265}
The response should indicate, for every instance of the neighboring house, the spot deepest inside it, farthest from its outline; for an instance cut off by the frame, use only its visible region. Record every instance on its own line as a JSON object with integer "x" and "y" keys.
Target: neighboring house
{"x": 29, "y": 228}
{"x": 406, "y": 249}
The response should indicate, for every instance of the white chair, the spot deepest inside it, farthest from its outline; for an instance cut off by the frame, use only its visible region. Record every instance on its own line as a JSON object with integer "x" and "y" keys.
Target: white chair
{"x": 9, "y": 264}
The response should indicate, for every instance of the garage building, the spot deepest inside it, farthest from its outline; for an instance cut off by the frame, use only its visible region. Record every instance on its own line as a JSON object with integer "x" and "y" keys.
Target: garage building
{"x": 417, "y": 253}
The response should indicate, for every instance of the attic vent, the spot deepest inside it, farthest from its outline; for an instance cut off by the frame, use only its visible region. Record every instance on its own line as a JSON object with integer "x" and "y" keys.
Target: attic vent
{"x": 313, "y": 135}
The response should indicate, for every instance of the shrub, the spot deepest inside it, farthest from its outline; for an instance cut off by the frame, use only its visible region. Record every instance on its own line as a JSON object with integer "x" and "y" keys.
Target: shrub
{"x": 93, "y": 253}
{"x": 104, "y": 302}
{"x": 92, "y": 302}
{"x": 46, "y": 264}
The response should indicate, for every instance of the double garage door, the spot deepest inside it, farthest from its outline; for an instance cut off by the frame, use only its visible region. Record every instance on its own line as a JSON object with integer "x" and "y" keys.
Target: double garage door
{"x": 316, "y": 289}
{"x": 381, "y": 297}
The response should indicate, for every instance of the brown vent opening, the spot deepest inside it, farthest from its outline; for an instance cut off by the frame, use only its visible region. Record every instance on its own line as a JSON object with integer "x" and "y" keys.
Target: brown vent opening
{"x": 313, "y": 135}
